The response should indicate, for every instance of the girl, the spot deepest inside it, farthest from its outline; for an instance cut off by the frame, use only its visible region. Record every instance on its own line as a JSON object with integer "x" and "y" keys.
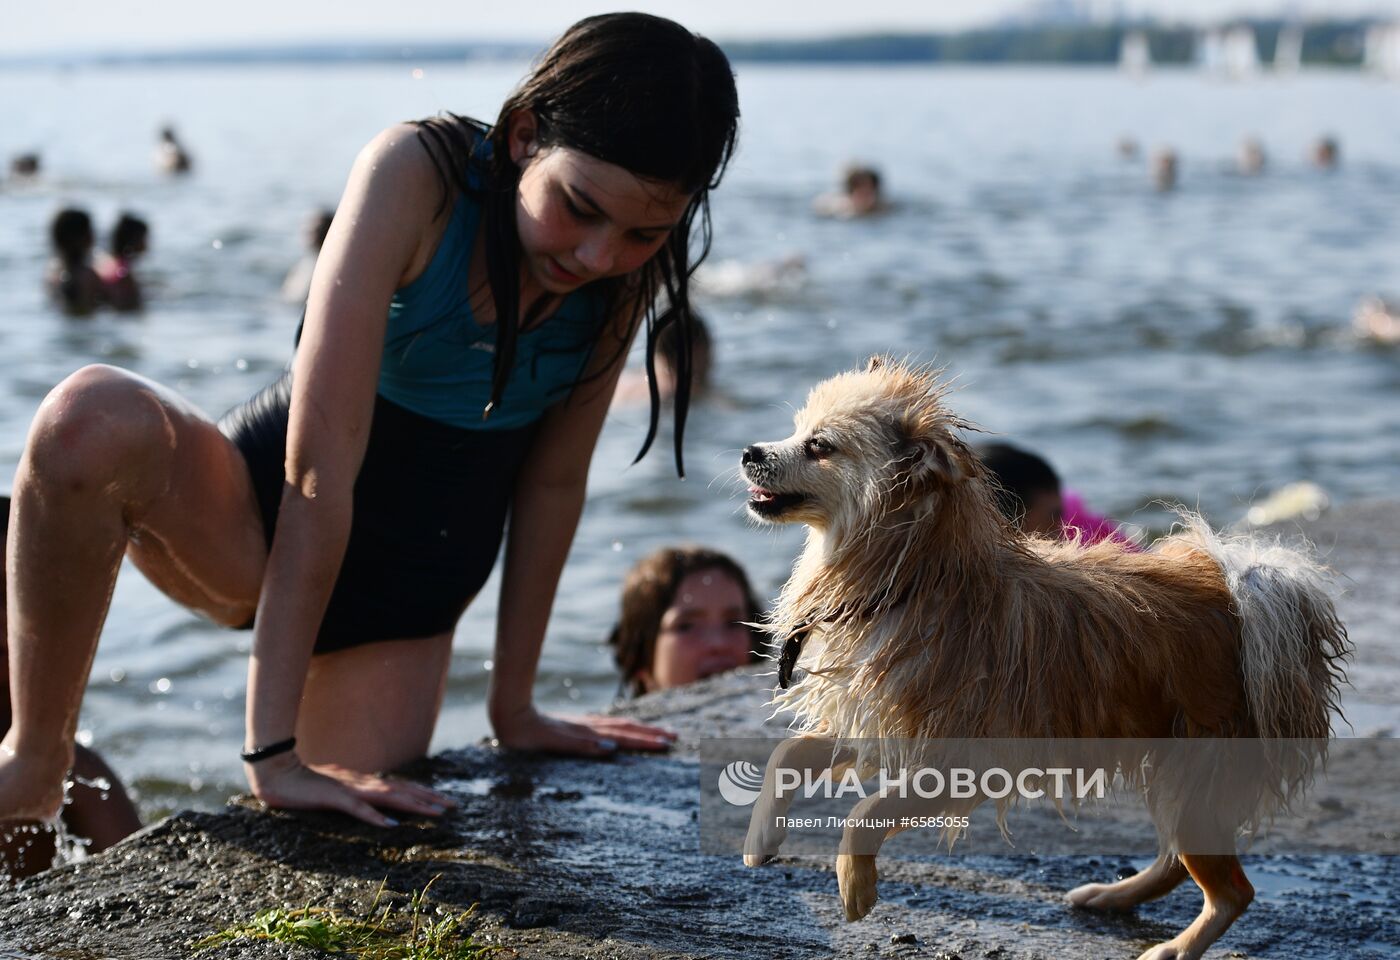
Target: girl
{"x": 684, "y": 615}
{"x": 469, "y": 315}
{"x": 129, "y": 242}
{"x": 71, "y": 281}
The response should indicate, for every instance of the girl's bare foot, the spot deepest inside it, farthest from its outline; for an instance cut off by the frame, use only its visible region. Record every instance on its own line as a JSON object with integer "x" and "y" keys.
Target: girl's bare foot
{"x": 31, "y": 788}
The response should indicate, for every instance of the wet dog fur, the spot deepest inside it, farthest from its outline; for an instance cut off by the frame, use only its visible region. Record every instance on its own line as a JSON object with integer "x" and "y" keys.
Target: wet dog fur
{"x": 926, "y": 615}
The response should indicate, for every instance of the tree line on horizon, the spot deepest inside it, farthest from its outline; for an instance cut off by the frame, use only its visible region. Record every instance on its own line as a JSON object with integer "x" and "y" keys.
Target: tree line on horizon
{"x": 1337, "y": 42}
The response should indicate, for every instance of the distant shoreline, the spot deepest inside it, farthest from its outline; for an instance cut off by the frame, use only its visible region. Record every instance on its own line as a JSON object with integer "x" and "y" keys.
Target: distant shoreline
{"x": 1334, "y": 43}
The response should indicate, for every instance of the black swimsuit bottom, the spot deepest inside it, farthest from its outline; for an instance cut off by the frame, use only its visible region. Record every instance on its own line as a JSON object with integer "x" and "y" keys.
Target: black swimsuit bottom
{"x": 430, "y": 507}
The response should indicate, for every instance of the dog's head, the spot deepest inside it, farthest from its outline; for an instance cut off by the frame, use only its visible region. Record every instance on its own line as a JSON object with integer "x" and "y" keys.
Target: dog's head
{"x": 868, "y": 444}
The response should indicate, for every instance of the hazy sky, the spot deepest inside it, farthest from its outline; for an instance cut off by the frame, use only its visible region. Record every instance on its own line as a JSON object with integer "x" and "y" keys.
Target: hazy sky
{"x": 42, "y": 26}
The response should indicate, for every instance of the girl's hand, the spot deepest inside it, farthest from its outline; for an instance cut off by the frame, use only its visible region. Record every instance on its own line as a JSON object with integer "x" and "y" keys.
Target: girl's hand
{"x": 285, "y": 783}
{"x": 588, "y": 736}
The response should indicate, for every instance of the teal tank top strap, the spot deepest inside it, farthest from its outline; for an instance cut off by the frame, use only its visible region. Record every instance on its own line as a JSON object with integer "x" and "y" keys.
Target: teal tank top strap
{"x": 438, "y": 361}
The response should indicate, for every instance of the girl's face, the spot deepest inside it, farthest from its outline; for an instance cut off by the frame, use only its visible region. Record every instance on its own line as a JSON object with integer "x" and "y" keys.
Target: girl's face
{"x": 700, "y": 632}
{"x": 581, "y": 219}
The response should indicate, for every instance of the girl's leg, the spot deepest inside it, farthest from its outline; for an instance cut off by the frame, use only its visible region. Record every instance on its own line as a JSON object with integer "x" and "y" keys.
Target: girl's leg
{"x": 112, "y": 460}
{"x": 373, "y": 707}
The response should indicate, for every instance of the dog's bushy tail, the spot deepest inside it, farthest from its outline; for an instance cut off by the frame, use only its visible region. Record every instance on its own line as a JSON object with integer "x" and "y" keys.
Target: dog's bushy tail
{"x": 1292, "y": 655}
{"x": 1293, "y": 646}
{"x": 1292, "y": 652}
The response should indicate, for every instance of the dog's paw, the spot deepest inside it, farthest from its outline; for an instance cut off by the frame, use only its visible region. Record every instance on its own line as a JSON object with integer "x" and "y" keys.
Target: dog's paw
{"x": 764, "y": 839}
{"x": 855, "y": 874}
{"x": 1098, "y": 896}
{"x": 1167, "y": 951}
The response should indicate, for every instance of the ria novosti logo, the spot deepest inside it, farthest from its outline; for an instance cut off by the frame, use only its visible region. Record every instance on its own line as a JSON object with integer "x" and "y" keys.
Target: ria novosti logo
{"x": 740, "y": 783}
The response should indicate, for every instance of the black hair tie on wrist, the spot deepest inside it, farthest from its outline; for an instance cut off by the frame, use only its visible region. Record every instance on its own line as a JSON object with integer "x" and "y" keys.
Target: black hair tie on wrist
{"x": 262, "y": 753}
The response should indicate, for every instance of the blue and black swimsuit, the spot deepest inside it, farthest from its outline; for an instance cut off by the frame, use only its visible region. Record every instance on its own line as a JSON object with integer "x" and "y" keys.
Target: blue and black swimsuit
{"x": 433, "y": 492}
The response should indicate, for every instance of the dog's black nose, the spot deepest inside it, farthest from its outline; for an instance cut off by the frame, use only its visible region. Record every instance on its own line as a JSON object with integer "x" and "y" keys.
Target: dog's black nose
{"x": 752, "y": 454}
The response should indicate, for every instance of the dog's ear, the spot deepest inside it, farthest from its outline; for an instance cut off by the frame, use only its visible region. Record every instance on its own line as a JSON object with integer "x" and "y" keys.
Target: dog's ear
{"x": 933, "y": 458}
{"x": 876, "y": 361}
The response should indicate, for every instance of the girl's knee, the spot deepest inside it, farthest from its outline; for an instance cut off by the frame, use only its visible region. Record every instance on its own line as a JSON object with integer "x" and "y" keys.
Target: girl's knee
{"x": 94, "y": 426}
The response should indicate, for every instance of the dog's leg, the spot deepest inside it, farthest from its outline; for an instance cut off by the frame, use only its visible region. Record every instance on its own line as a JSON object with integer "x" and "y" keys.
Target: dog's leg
{"x": 1158, "y": 880}
{"x": 807, "y": 755}
{"x": 869, "y": 824}
{"x": 857, "y": 878}
{"x": 1227, "y": 892}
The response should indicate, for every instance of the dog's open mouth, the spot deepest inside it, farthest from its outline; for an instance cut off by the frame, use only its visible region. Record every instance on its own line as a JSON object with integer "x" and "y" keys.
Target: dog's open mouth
{"x": 766, "y": 503}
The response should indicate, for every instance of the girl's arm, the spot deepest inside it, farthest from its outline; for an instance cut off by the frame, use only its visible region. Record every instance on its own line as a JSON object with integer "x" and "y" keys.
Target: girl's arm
{"x": 380, "y": 228}
{"x": 547, "y": 501}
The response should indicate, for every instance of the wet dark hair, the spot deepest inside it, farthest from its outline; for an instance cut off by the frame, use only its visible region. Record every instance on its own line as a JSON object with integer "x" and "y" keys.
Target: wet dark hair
{"x": 648, "y": 592}
{"x": 1018, "y": 476}
{"x": 25, "y": 164}
{"x": 1326, "y": 149}
{"x": 857, "y": 175}
{"x": 71, "y": 227}
{"x": 630, "y": 89}
{"x": 129, "y": 231}
{"x": 319, "y": 226}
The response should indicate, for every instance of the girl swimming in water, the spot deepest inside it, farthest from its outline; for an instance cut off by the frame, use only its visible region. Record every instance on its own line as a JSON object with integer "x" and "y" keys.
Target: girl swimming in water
{"x": 469, "y": 316}
{"x": 685, "y": 616}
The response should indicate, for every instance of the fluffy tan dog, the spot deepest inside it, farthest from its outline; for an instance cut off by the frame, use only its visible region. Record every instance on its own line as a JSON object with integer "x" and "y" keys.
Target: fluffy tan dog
{"x": 926, "y": 616}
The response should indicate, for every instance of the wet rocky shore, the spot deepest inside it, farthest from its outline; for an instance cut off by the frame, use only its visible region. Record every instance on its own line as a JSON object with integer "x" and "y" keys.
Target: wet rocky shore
{"x": 571, "y": 858}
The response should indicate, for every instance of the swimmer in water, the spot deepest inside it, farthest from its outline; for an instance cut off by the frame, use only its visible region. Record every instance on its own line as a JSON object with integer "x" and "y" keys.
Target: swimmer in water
{"x": 1250, "y": 159}
{"x": 130, "y": 237}
{"x": 1028, "y": 493}
{"x": 861, "y": 195}
{"x": 71, "y": 281}
{"x": 1164, "y": 170}
{"x": 632, "y": 387}
{"x": 683, "y": 618}
{"x": 297, "y": 286}
{"x": 1378, "y": 320}
{"x": 171, "y": 156}
{"x": 1326, "y": 153}
{"x": 24, "y": 166}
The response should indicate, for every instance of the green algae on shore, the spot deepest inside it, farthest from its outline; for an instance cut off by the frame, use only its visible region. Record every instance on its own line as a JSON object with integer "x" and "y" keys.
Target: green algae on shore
{"x": 420, "y": 931}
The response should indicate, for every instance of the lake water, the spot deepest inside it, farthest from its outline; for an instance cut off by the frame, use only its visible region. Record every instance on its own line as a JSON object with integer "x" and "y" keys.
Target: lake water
{"x": 1195, "y": 346}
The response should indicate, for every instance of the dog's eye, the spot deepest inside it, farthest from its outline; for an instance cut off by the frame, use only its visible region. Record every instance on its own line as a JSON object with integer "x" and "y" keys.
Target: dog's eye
{"x": 818, "y": 449}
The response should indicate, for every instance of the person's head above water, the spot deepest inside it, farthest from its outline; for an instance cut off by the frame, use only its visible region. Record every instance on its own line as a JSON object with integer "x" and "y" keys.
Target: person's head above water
{"x": 597, "y": 171}
{"x": 682, "y": 619}
{"x": 1250, "y": 158}
{"x": 1027, "y": 490}
{"x": 71, "y": 234}
{"x": 863, "y": 189}
{"x": 317, "y": 226}
{"x": 130, "y": 236}
{"x": 24, "y": 165}
{"x": 669, "y": 353}
{"x": 859, "y": 178}
{"x": 1326, "y": 152}
{"x": 1165, "y": 168}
